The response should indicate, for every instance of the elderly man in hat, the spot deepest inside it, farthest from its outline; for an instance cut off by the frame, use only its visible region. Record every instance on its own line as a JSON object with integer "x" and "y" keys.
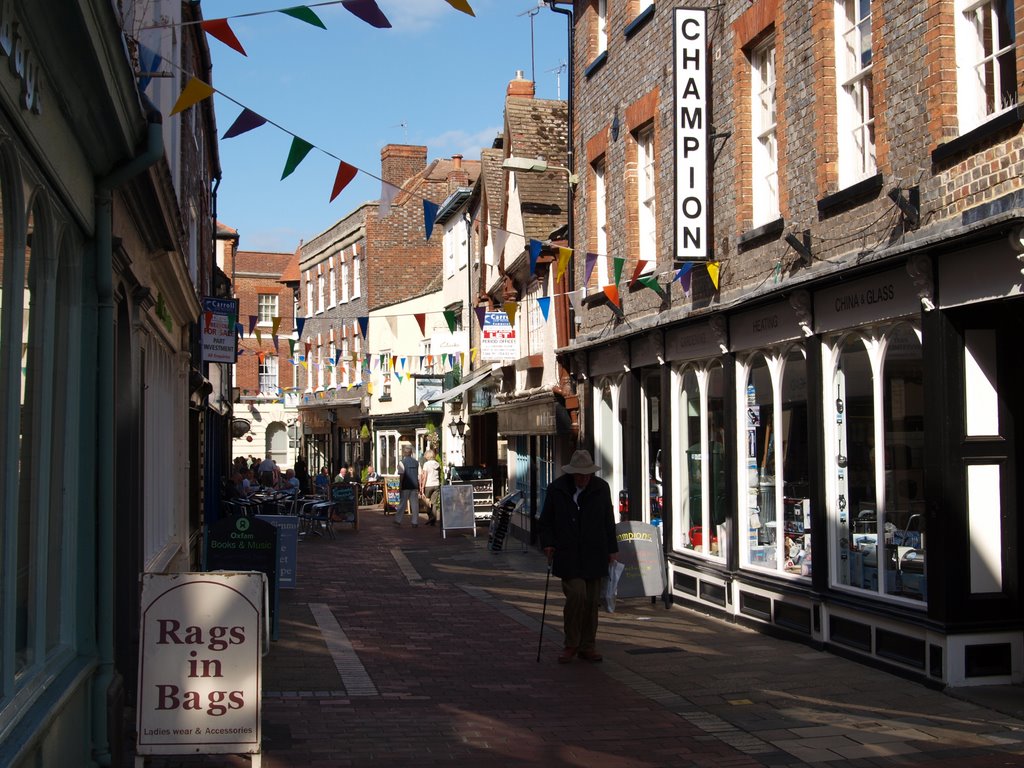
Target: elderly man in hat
{"x": 577, "y": 533}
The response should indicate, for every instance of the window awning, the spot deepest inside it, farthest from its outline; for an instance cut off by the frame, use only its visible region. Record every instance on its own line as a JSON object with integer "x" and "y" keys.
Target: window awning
{"x": 478, "y": 378}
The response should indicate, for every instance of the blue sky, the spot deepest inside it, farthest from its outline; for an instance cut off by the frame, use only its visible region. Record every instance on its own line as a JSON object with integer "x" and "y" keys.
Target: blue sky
{"x": 436, "y": 78}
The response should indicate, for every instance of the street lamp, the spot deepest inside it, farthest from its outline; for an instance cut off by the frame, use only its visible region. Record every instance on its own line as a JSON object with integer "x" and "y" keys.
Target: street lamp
{"x": 537, "y": 165}
{"x": 458, "y": 428}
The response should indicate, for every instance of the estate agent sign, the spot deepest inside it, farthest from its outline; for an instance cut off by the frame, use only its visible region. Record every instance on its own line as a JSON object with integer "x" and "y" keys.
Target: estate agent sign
{"x": 200, "y": 663}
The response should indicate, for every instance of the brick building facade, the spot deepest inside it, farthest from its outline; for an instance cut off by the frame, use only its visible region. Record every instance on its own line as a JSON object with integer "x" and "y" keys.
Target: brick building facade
{"x": 819, "y": 406}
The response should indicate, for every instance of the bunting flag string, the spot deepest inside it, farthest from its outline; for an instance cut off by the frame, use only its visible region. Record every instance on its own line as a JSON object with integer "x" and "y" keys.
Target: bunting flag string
{"x": 619, "y": 262}
{"x": 245, "y": 122}
{"x": 641, "y": 265}
{"x": 300, "y": 148}
{"x": 364, "y": 10}
{"x": 193, "y": 92}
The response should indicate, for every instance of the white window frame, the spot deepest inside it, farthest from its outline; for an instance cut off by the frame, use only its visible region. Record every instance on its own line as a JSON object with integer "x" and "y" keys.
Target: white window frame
{"x": 763, "y": 114}
{"x": 333, "y": 349}
{"x": 309, "y": 295}
{"x": 855, "y": 113}
{"x": 977, "y": 30}
{"x": 319, "y": 363}
{"x": 331, "y": 281}
{"x": 267, "y": 308}
{"x": 269, "y": 374}
{"x": 320, "y": 284}
{"x": 601, "y": 220}
{"x": 356, "y": 278}
{"x": 602, "y": 26}
{"x": 646, "y": 200}
{"x": 344, "y": 277}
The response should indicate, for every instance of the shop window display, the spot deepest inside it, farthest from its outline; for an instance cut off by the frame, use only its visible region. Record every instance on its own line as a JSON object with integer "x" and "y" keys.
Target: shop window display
{"x": 878, "y": 506}
{"x": 700, "y": 432}
{"x": 777, "y": 511}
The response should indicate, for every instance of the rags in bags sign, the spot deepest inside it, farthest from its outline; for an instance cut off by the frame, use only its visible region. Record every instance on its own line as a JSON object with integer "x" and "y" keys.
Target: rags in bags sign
{"x": 201, "y": 640}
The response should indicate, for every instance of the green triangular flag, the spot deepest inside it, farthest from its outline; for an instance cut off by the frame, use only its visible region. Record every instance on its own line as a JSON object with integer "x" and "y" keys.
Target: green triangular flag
{"x": 302, "y": 13}
{"x": 619, "y": 263}
{"x": 652, "y": 283}
{"x": 449, "y": 318}
{"x": 300, "y": 148}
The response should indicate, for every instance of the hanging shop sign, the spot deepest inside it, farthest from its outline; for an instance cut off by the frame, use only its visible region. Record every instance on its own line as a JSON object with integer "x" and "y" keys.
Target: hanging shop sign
{"x": 200, "y": 663}
{"x": 217, "y": 330}
{"x": 497, "y": 338}
{"x": 691, "y": 133}
{"x": 981, "y": 273}
{"x": 870, "y": 299}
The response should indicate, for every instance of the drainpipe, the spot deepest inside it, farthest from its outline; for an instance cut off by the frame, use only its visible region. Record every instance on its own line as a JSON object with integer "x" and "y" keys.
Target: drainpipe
{"x": 105, "y": 186}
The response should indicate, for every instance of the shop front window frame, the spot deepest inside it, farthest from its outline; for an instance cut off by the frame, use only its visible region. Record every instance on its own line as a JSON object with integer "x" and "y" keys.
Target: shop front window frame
{"x": 773, "y": 494}
{"x": 712, "y": 496}
{"x": 875, "y": 551}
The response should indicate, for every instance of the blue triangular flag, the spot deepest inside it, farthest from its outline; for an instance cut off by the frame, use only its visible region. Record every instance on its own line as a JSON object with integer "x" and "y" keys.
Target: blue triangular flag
{"x": 300, "y": 322}
{"x": 535, "y": 246}
{"x": 545, "y": 306}
{"x": 149, "y": 62}
{"x": 429, "y": 215}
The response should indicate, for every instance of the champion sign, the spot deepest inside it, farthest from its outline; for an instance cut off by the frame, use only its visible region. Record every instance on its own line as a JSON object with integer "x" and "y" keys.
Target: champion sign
{"x": 691, "y": 134}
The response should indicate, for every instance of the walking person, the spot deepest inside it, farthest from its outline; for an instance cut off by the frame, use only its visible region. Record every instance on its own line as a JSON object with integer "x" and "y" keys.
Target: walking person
{"x": 577, "y": 533}
{"x": 430, "y": 485}
{"x": 409, "y": 487}
{"x": 302, "y": 472}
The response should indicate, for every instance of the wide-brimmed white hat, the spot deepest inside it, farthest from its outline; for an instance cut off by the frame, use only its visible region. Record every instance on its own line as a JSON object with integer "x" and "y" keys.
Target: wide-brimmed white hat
{"x": 581, "y": 463}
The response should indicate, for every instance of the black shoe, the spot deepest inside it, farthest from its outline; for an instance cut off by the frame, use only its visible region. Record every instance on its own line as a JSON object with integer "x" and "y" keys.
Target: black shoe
{"x": 431, "y": 522}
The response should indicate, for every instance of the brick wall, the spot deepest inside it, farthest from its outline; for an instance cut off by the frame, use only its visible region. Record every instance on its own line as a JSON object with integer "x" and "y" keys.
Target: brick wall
{"x": 915, "y": 110}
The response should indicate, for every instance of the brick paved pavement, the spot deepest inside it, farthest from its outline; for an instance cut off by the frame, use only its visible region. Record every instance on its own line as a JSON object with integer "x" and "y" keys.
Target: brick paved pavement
{"x": 403, "y": 648}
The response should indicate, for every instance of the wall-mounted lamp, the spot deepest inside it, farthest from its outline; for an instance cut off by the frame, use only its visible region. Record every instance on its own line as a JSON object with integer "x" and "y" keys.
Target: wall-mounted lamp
{"x": 910, "y": 206}
{"x": 537, "y": 166}
{"x": 801, "y": 246}
{"x": 458, "y": 428}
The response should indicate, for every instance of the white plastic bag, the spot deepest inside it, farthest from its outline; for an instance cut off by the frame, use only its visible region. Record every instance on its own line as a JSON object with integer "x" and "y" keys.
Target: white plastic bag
{"x": 611, "y": 585}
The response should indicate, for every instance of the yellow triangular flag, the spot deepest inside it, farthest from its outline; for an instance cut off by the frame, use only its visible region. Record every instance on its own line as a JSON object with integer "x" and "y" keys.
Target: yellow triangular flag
{"x": 194, "y": 92}
{"x": 473, "y": 353}
{"x": 713, "y": 272}
{"x": 275, "y": 324}
{"x": 510, "y": 308}
{"x": 259, "y": 337}
{"x": 564, "y": 255}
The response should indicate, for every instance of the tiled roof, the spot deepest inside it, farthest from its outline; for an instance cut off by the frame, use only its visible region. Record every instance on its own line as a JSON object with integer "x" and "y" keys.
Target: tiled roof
{"x": 291, "y": 273}
{"x": 537, "y": 128}
{"x": 494, "y": 184}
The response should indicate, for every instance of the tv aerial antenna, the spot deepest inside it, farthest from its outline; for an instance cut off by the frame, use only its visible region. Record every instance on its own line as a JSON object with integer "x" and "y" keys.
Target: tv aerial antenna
{"x": 405, "y": 130}
{"x": 531, "y": 12}
{"x": 562, "y": 66}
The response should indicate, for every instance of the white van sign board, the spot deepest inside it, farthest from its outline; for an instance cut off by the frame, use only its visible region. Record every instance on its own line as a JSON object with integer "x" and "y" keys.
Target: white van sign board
{"x": 200, "y": 663}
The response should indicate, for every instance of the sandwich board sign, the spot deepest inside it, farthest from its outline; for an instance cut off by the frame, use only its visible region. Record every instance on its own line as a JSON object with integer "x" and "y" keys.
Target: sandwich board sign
{"x": 202, "y": 637}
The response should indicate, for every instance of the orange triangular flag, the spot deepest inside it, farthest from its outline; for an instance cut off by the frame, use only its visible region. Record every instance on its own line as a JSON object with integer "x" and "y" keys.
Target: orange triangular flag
{"x": 713, "y": 267}
{"x": 194, "y": 92}
{"x": 612, "y": 292}
{"x": 220, "y": 29}
{"x": 461, "y": 5}
{"x": 421, "y": 318}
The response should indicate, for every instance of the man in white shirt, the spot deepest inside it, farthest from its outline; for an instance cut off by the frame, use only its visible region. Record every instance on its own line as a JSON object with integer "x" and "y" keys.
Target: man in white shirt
{"x": 430, "y": 485}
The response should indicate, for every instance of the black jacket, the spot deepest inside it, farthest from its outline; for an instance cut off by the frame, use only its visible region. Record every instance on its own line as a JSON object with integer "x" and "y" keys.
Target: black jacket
{"x": 583, "y": 536}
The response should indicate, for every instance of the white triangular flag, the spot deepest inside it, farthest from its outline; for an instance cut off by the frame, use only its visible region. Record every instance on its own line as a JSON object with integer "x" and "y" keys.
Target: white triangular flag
{"x": 388, "y": 192}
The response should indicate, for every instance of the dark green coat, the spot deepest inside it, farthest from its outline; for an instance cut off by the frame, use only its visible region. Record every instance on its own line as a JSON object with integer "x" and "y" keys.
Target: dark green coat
{"x": 583, "y": 536}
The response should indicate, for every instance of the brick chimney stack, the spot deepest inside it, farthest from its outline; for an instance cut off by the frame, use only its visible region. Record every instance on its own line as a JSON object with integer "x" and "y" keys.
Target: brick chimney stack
{"x": 520, "y": 86}
{"x": 400, "y": 162}
{"x": 457, "y": 176}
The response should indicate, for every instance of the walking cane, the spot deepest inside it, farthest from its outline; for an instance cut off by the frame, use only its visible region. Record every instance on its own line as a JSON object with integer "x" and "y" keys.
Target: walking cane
{"x": 543, "y": 612}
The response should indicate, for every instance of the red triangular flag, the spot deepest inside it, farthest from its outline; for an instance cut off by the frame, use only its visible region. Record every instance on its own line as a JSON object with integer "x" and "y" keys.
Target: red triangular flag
{"x": 346, "y": 173}
{"x": 421, "y": 318}
{"x": 640, "y": 266}
{"x": 220, "y": 29}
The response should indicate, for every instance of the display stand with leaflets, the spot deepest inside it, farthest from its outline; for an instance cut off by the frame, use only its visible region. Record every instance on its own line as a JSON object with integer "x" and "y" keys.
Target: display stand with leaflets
{"x": 501, "y": 521}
